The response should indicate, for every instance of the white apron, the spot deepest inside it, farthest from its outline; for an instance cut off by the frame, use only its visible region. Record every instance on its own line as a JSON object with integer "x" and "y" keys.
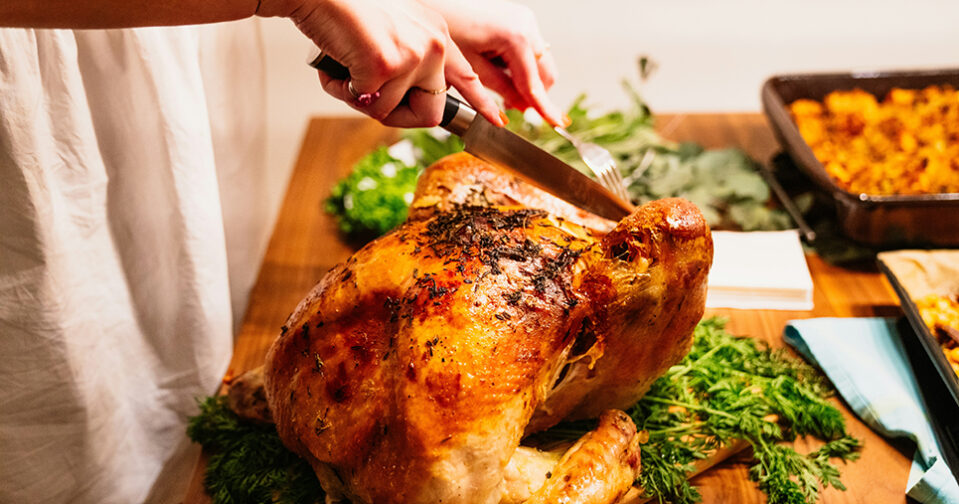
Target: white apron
{"x": 115, "y": 305}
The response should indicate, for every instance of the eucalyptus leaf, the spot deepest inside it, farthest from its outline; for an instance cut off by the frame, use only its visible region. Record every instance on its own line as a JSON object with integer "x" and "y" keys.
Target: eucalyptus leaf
{"x": 723, "y": 183}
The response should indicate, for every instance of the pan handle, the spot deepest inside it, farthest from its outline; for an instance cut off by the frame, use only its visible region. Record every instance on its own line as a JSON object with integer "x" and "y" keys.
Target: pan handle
{"x": 807, "y": 232}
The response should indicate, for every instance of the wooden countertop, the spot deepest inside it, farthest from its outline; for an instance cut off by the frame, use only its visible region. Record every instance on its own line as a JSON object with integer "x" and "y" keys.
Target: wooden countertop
{"x": 305, "y": 244}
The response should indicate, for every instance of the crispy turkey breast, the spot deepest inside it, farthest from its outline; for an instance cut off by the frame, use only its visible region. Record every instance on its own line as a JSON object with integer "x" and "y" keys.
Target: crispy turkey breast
{"x": 413, "y": 370}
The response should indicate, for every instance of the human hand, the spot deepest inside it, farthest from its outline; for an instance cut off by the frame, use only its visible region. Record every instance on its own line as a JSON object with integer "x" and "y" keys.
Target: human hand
{"x": 397, "y": 51}
{"x": 494, "y": 31}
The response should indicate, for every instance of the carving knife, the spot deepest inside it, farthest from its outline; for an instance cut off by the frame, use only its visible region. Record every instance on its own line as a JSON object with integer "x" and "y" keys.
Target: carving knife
{"x": 513, "y": 153}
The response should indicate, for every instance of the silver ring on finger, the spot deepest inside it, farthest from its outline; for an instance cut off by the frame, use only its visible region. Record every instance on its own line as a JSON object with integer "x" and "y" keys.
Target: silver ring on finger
{"x": 361, "y": 99}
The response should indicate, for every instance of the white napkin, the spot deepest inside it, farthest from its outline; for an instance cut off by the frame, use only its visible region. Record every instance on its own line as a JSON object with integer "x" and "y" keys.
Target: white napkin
{"x": 759, "y": 270}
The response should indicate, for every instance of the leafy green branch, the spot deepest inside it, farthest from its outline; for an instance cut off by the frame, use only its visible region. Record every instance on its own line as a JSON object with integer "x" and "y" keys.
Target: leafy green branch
{"x": 723, "y": 183}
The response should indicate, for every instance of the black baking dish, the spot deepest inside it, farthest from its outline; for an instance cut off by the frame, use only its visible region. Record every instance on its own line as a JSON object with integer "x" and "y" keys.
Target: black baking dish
{"x": 882, "y": 221}
{"x": 938, "y": 383}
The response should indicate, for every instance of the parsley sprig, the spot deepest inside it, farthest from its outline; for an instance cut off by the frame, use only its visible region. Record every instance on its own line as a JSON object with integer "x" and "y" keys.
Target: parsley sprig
{"x": 727, "y": 388}
{"x": 248, "y": 462}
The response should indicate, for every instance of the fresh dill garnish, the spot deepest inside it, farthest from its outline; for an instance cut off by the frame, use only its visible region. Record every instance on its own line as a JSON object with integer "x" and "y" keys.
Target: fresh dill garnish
{"x": 727, "y": 388}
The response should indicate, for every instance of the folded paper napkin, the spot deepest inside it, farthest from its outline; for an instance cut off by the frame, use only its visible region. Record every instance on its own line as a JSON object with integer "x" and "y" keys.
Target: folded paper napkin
{"x": 865, "y": 360}
{"x": 759, "y": 270}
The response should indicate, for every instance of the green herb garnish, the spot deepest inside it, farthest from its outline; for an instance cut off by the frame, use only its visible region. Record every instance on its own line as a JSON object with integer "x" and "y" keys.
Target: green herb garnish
{"x": 248, "y": 462}
{"x": 723, "y": 183}
{"x": 376, "y": 195}
{"x": 727, "y": 388}
{"x": 730, "y": 388}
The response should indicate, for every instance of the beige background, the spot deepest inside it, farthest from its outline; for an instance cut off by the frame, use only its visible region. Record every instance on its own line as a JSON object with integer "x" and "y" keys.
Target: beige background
{"x": 712, "y": 56}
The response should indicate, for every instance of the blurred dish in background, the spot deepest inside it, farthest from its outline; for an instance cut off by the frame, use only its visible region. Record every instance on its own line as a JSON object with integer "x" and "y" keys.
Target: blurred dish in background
{"x": 941, "y": 315}
{"x": 927, "y": 283}
{"x": 919, "y": 277}
{"x": 908, "y": 143}
{"x": 878, "y": 220}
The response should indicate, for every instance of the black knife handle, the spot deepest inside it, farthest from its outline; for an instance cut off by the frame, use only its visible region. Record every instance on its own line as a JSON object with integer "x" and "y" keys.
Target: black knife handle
{"x": 334, "y": 69}
{"x": 330, "y": 66}
{"x": 452, "y": 106}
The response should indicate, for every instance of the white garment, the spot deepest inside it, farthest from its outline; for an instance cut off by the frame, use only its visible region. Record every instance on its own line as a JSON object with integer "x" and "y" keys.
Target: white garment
{"x": 114, "y": 290}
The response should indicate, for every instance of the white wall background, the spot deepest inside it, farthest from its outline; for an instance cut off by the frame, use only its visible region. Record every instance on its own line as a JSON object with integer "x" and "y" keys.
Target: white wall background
{"x": 711, "y": 55}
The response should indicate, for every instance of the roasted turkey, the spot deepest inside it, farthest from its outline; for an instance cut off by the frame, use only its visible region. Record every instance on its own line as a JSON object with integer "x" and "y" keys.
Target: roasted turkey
{"x": 412, "y": 372}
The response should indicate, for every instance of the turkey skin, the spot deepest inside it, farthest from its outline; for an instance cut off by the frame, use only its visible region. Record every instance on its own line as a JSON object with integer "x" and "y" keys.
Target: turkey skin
{"x": 412, "y": 371}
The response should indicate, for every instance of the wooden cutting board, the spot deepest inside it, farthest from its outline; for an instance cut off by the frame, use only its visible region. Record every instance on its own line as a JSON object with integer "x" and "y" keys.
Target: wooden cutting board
{"x": 306, "y": 243}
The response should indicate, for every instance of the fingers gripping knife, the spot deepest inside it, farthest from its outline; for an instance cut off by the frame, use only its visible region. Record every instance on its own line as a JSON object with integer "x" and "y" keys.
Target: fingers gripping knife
{"x": 504, "y": 149}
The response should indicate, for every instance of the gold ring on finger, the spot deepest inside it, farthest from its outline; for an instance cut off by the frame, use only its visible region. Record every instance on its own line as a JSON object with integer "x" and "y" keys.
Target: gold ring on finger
{"x": 433, "y": 91}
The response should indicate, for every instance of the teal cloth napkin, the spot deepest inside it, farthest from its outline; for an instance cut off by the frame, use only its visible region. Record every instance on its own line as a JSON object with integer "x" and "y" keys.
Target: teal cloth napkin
{"x": 865, "y": 360}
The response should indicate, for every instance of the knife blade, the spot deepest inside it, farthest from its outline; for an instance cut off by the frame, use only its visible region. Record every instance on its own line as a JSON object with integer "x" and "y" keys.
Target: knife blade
{"x": 512, "y": 153}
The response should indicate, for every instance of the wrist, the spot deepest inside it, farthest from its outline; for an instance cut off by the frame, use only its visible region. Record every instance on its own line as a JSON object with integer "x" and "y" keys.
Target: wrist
{"x": 286, "y": 8}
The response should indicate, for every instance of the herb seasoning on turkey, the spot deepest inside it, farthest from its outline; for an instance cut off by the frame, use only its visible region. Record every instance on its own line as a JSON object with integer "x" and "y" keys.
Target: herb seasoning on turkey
{"x": 515, "y": 311}
{"x": 429, "y": 403}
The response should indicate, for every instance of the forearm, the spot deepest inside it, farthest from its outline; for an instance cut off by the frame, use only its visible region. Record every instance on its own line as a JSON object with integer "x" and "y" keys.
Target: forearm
{"x": 120, "y": 13}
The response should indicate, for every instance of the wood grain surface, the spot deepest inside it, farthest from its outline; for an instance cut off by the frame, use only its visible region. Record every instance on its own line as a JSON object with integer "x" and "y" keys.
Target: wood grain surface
{"x": 305, "y": 244}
